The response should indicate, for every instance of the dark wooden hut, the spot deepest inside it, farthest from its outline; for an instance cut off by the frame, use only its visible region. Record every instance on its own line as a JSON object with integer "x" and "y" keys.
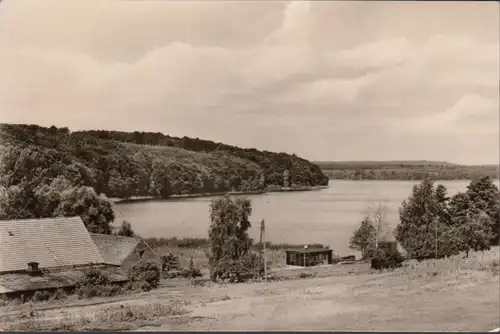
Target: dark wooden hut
{"x": 307, "y": 257}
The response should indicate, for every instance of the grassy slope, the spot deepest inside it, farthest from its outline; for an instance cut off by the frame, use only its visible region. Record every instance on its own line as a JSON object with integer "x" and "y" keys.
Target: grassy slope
{"x": 447, "y": 295}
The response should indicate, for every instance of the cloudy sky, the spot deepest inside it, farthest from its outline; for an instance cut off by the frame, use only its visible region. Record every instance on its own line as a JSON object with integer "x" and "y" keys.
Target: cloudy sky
{"x": 325, "y": 80}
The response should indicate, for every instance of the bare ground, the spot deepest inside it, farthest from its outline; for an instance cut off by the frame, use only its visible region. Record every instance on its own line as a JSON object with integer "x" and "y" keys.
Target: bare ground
{"x": 422, "y": 298}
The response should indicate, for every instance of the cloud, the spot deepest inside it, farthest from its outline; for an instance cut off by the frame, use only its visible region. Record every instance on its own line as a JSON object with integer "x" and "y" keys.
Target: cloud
{"x": 470, "y": 115}
{"x": 374, "y": 54}
{"x": 256, "y": 74}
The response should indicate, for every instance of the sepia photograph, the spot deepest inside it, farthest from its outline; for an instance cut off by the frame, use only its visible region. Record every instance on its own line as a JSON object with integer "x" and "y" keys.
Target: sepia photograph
{"x": 240, "y": 165}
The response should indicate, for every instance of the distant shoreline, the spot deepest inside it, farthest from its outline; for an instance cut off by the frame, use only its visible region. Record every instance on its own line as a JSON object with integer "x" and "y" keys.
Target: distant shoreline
{"x": 405, "y": 170}
{"x": 200, "y": 195}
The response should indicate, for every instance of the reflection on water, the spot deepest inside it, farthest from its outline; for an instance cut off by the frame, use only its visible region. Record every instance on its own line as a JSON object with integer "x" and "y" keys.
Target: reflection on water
{"x": 327, "y": 216}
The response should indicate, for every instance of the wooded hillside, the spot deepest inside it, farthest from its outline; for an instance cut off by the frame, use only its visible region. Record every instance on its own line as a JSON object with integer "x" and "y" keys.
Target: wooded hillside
{"x": 126, "y": 164}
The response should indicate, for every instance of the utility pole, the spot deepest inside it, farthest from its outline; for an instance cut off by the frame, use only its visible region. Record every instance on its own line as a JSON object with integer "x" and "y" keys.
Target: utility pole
{"x": 263, "y": 243}
{"x": 436, "y": 240}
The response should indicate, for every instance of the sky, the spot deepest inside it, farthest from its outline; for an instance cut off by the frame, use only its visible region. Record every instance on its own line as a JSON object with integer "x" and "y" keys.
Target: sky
{"x": 338, "y": 80}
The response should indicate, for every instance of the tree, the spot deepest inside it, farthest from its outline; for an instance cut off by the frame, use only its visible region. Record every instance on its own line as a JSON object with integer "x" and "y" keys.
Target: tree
{"x": 145, "y": 271}
{"x": 17, "y": 202}
{"x": 96, "y": 211}
{"x": 474, "y": 232}
{"x": 484, "y": 196}
{"x": 442, "y": 199}
{"x": 377, "y": 216}
{"x": 363, "y": 238}
{"x": 126, "y": 230}
{"x": 286, "y": 178}
{"x": 160, "y": 181}
{"x": 229, "y": 239}
{"x": 419, "y": 231}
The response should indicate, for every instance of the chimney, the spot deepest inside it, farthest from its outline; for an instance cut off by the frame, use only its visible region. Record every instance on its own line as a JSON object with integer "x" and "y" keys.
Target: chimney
{"x": 33, "y": 268}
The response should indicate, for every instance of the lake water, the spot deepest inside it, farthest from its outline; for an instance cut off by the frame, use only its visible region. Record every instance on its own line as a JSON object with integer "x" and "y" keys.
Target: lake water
{"x": 327, "y": 216}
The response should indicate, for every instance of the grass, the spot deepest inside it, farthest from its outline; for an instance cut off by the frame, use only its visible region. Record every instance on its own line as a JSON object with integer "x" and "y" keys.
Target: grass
{"x": 477, "y": 261}
{"x": 108, "y": 318}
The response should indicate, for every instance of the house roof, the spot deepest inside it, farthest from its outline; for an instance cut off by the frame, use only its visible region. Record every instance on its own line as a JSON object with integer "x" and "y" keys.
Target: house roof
{"x": 308, "y": 250}
{"x": 17, "y": 282}
{"x": 115, "y": 249}
{"x": 52, "y": 242}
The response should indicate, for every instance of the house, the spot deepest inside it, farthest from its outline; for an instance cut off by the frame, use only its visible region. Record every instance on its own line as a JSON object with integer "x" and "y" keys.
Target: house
{"x": 306, "y": 257}
{"x": 123, "y": 251}
{"x": 48, "y": 254}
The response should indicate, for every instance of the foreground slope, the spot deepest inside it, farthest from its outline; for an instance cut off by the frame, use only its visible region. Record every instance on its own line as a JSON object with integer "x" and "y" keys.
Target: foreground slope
{"x": 455, "y": 294}
{"x": 122, "y": 165}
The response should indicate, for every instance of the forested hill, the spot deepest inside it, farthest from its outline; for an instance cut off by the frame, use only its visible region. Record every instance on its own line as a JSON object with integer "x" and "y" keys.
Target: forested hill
{"x": 123, "y": 164}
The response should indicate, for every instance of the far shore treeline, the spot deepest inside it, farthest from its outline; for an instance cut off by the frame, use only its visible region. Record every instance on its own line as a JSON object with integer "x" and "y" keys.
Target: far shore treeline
{"x": 405, "y": 170}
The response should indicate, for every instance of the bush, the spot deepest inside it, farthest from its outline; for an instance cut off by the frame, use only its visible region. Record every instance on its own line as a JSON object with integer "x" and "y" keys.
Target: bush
{"x": 307, "y": 275}
{"x": 95, "y": 277}
{"x": 192, "y": 271}
{"x": 126, "y": 230}
{"x": 95, "y": 284}
{"x": 41, "y": 295}
{"x": 139, "y": 286}
{"x": 169, "y": 262}
{"x": 382, "y": 259}
{"x": 147, "y": 272}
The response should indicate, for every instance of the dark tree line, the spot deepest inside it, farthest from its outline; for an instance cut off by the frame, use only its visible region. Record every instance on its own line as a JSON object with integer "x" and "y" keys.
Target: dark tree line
{"x": 434, "y": 225}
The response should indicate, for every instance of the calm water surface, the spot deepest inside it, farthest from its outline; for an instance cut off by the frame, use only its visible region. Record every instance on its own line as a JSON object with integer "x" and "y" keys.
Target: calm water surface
{"x": 326, "y": 216}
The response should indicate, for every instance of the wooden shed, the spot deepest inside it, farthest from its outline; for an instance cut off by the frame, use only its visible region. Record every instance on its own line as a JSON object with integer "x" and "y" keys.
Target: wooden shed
{"x": 307, "y": 257}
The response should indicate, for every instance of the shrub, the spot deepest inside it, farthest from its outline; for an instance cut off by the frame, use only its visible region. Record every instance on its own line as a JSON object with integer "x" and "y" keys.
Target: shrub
{"x": 145, "y": 271}
{"x": 95, "y": 284}
{"x": 126, "y": 230}
{"x": 59, "y": 294}
{"x": 94, "y": 277}
{"x": 192, "y": 271}
{"x": 306, "y": 275}
{"x": 383, "y": 259}
{"x": 41, "y": 295}
{"x": 169, "y": 262}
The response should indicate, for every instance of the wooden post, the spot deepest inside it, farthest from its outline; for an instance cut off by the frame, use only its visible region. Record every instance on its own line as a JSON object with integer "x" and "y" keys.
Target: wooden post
{"x": 436, "y": 241}
{"x": 263, "y": 241}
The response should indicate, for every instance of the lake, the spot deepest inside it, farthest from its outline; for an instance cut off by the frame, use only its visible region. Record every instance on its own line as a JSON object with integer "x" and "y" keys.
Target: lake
{"x": 327, "y": 216}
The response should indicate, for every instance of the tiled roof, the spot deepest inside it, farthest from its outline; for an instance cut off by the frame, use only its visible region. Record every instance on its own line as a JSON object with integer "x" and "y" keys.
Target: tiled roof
{"x": 52, "y": 242}
{"x": 55, "y": 279}
{"x": 115, "y": 249}
{"x": 309, "y": 250}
